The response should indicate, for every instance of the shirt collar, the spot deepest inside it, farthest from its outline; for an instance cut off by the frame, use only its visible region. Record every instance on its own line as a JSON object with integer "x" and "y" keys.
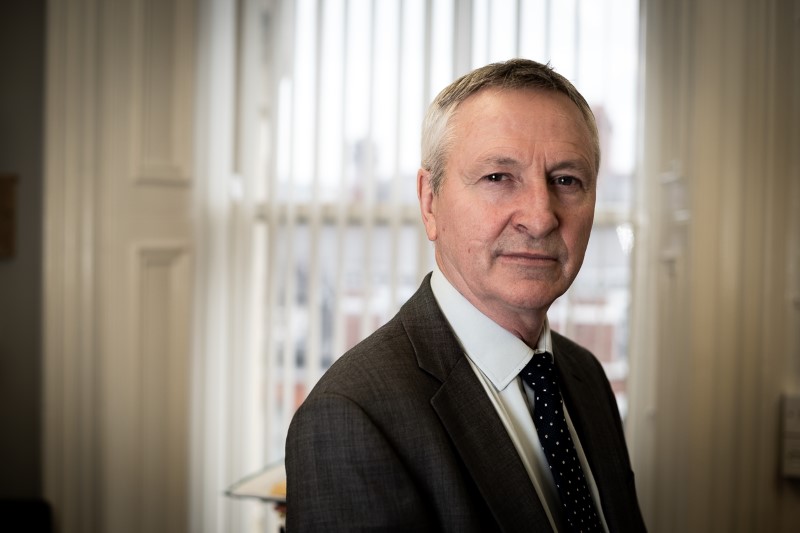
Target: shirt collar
{"x": 497, "y": 352}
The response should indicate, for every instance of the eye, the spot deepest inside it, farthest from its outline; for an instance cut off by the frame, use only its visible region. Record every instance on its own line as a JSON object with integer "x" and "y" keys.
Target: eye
{"x": 567, "y": 181}
{"x": 495, "y": 177}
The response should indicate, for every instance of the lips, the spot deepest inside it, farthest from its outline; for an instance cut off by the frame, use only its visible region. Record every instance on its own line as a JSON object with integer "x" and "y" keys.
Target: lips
{"x": 538, "y": 251}
{"x": 530, "y": 255}
{"x": 531, "y": 258}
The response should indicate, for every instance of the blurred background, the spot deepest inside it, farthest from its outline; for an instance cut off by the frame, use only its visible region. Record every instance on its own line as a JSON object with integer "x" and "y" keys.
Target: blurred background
{"x": 203, "y": 203}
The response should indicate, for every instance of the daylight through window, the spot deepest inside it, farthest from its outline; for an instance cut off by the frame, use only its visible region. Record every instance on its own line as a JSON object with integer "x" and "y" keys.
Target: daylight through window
{"x": 338, "y": 241}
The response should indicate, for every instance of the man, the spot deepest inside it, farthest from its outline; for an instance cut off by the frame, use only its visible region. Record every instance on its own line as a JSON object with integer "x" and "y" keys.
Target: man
{"x": 427, "y": 425}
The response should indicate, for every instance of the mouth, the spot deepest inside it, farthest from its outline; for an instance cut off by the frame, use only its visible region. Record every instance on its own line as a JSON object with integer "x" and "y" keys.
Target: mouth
{"x": 532, "y": 258}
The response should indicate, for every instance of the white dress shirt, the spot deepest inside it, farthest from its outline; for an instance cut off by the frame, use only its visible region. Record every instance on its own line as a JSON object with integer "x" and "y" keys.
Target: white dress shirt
{"x": 497, "y": 357}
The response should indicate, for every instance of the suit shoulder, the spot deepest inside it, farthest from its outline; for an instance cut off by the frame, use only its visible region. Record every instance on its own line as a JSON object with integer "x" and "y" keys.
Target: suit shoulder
{"x": 577, "y": 359}
{"x": 383, "y": 362}
{"x": 566, "y": 345}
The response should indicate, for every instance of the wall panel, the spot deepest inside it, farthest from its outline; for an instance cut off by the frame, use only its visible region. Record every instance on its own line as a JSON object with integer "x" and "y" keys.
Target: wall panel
{"x": 161, "y": 309}
{"x": 161, "y": 104}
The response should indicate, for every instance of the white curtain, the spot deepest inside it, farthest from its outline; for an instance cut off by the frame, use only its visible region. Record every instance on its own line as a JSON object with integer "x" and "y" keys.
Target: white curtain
{"x": 718, "y": 340}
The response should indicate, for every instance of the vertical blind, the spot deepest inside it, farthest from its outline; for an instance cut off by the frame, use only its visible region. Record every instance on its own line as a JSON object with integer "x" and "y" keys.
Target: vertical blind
{"x": 338, "y": 244}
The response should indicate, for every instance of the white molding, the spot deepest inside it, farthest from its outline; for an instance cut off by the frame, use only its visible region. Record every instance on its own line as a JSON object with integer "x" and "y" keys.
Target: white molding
{"x": 71, "y": 438}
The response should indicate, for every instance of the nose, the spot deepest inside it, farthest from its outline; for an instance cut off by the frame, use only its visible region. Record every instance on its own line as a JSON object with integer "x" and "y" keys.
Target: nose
{"x": 534, "y": 212}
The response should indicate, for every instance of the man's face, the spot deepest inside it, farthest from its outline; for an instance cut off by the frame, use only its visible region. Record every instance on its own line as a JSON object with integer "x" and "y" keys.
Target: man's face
{"x": 512, "y": 218}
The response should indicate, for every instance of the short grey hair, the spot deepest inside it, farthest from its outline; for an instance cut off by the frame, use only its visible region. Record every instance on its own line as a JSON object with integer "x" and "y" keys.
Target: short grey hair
{"x": 437, "y": 135}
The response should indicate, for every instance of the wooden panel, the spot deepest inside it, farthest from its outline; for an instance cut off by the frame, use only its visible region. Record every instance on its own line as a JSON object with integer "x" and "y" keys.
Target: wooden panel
{"x": 162, "y": 91}
{"x": 162, "y": 316}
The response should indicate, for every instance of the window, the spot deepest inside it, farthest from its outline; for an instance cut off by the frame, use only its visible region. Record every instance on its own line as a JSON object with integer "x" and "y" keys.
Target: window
{"x": 337, "y": 244}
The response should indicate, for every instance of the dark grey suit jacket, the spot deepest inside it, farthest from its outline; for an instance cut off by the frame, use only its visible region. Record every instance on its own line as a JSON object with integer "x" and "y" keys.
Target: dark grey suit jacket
{"x": 399, "y": 435}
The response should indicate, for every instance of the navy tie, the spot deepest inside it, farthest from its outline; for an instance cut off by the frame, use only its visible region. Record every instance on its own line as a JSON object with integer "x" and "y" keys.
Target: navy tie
{"x": 551, "y": 425}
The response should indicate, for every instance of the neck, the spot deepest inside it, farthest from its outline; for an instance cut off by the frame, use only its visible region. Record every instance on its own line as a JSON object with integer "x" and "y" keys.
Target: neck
{"x": 527, "y": 325}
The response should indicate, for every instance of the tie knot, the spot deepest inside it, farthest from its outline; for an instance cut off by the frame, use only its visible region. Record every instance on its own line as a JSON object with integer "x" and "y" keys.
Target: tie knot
{"x": 540, "y": 374}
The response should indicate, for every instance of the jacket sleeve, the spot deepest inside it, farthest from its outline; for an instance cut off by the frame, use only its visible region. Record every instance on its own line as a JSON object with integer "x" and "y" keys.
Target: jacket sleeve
{"x": 343, "y": 475}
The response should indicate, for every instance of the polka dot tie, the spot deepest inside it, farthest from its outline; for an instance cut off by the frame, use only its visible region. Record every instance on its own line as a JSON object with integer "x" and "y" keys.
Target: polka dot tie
{"x": 548, "y": 417}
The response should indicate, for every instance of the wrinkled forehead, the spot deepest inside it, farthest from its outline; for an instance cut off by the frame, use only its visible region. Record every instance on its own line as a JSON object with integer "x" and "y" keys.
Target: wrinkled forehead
{"x": 557, "y": 101}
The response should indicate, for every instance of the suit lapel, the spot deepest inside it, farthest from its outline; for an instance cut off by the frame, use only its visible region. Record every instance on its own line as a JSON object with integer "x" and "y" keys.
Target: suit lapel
{"x": 481, "y": 440}
{"x": 487, "y": 451}
{"x": 600, "y": 436}
{"x": 470, "y": 419}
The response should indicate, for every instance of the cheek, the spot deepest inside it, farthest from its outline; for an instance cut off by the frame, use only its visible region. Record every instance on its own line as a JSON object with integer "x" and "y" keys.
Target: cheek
{"x": 578, "y": 235}
{"x": 470, "y": 227}
{"x": 460, "y": 238}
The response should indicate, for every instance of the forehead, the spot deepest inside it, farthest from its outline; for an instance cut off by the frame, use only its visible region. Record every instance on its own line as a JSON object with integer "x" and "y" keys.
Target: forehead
{"x": 526, "y": 116}
{"x": 527, "y": 103}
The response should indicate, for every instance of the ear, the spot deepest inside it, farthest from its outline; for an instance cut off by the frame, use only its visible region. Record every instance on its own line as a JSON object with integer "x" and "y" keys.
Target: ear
{"x": 427, "y": 202}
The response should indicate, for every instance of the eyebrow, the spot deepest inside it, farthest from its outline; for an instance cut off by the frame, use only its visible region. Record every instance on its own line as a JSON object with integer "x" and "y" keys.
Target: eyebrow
{"x": 567, "y": 164}
{"x": 571, "y": 164}
{"x": 500, "y": 160}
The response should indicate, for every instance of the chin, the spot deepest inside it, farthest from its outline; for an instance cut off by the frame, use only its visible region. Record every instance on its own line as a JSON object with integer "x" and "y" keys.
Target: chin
{"x": 529, "y": 302}
{"x": 534, "y": 296}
